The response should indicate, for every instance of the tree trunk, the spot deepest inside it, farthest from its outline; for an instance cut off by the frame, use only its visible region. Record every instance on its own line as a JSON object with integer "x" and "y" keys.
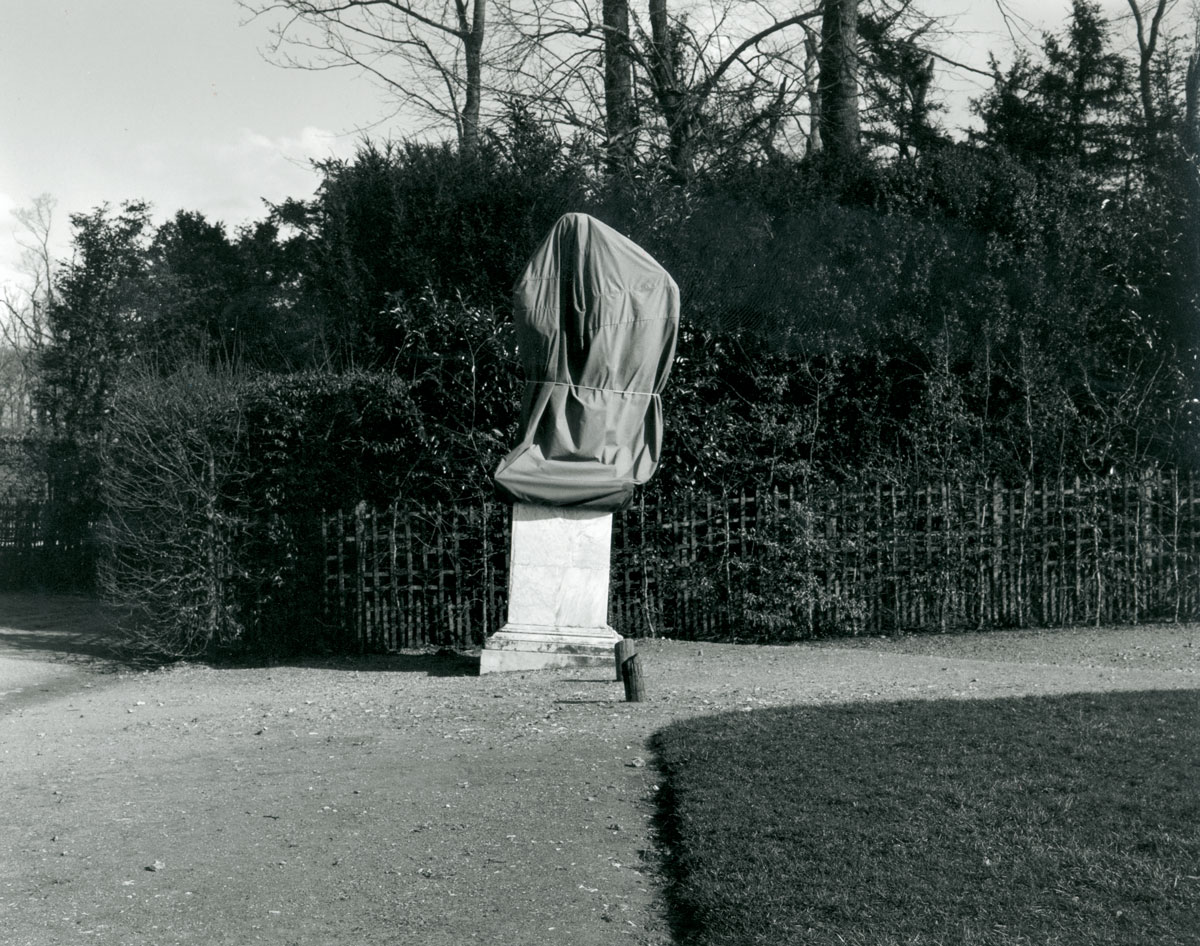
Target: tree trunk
{"x": 1190, "y": 143}
{"x": 1191, "y": 115}
{"x": 619, "y": 119}
{"x": 673, "y": 101}
{"x": 1147, "y": 42}
{"x": 812, "y": 58}
{"x": 838, "y": 80}
{"x": 472, "y": 38}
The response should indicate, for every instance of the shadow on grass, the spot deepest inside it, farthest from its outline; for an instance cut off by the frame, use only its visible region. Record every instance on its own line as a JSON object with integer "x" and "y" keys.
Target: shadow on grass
{"x": 1066, "y": 820}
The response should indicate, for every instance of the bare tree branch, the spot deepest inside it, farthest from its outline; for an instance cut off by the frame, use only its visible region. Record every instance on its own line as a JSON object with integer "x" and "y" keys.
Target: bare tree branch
{"x": 752, "y": 41}
{"x": 429, "y": 55}
{"x": 1147, "y": 43}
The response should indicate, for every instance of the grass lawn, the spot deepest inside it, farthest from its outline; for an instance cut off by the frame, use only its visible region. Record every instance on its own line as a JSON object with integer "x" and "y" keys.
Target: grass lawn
{"x": 1046, "y": 820}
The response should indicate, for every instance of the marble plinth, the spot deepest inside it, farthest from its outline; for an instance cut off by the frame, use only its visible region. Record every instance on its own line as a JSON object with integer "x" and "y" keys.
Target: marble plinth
{"x": 557, "y": 592}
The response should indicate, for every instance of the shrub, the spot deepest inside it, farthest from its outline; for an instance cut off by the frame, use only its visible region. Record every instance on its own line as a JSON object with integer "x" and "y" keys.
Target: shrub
{"x": 777, "y": 589}
{"x": 167, "y": 535}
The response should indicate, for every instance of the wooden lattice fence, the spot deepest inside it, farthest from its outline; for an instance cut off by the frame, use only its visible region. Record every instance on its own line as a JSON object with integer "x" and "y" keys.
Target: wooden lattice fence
{"x": 787, "y": 565}
{"x": 43, "y": 546}
{"x": 47, "y": 522}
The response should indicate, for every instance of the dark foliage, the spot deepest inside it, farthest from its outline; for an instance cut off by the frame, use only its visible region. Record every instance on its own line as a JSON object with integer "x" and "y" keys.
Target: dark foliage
{"x": 400, "y": 220}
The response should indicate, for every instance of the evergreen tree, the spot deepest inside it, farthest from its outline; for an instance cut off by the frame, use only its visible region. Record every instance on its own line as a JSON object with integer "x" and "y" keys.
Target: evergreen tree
{"x": 1071, "y": 107}
{"x": 94, "y": 320}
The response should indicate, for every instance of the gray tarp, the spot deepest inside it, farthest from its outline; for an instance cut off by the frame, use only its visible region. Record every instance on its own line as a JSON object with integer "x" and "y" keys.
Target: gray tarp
{"x": 596, "y": 321}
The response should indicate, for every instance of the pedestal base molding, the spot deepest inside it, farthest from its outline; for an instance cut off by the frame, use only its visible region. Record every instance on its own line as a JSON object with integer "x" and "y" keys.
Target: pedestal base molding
{"x": 536, "y": 647}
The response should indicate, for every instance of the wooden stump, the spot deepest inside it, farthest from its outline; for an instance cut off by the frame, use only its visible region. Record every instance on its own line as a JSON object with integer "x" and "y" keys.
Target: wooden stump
{"x": 622, "y": 651}
{"x": 631, "y": 673}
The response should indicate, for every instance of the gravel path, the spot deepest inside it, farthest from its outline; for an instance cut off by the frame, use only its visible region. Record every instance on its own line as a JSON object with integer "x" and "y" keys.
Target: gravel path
{"x": 404, "y": 799}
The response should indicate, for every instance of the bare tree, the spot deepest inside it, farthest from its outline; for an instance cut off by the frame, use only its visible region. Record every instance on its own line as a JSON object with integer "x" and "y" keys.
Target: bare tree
{"x": 25, "y": 306}
{"x": 711, "y": 76}
{"x": 721, "y": 77}
{"x": 24, "y": 330}
{"x": 1147, "y": 43}
{"x": 429, "y": 55}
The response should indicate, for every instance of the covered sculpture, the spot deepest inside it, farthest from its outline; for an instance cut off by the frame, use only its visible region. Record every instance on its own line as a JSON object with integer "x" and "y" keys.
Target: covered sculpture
{"x": 596, "y": 320}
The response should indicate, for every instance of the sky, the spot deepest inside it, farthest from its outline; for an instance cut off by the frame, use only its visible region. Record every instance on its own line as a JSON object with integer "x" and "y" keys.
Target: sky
{"x": 176, "y": 103}
{"x": 170, "y": 101}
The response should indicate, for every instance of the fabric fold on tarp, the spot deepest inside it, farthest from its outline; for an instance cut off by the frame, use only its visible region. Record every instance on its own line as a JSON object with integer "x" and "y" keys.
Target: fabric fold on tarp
{"x": 596, "y": 320}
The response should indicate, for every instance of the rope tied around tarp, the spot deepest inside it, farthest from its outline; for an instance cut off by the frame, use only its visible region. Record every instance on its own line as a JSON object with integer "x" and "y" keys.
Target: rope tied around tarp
{"x": 586, "y": 387}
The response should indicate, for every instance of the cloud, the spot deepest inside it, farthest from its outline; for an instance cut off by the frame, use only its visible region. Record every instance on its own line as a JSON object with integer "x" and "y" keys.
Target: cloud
{"x": 255, "y": 167}
{"x": 229, "y": 179}
{"x": 226, "y": 179}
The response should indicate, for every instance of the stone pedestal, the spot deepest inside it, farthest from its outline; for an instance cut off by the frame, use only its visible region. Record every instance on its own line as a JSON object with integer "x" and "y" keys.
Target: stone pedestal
{"x": 557, "y": 592}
